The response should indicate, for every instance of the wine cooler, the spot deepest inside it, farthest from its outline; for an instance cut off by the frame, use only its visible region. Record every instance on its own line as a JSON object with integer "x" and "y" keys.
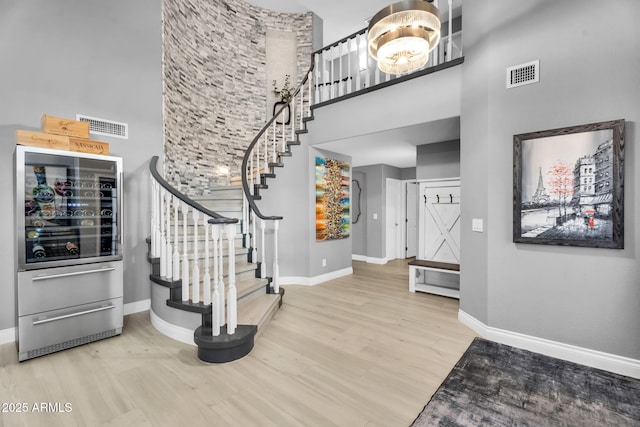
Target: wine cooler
{"x": 69, "y": 238}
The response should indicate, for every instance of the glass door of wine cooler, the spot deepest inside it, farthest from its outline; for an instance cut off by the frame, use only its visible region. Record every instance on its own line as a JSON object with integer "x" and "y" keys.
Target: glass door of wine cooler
{"x": 68, "y": 207}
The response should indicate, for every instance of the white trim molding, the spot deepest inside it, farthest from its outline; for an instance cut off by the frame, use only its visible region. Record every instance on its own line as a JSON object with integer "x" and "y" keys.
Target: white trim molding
{"x": 177, "y": 333}
{"x": 369, "y": 260}
{"x": 137, "y": 306}
{"x": 312, "y": 281}
{"x": 7, "y": 336}
{"x": 596, "y": 359}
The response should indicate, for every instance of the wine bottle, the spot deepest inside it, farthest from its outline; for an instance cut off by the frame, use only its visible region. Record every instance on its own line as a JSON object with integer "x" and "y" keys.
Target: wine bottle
{"x": 44, "y": 195}
{"x": 72, "y": 248}
{"x": 38, "y": 251}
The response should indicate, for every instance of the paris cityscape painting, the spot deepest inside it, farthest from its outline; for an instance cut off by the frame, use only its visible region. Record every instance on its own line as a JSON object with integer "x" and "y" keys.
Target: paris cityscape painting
{"x": 569, "y": 186}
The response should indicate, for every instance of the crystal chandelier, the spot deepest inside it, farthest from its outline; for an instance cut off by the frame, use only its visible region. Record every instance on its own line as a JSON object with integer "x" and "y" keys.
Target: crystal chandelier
{"x": 401, "y": 35}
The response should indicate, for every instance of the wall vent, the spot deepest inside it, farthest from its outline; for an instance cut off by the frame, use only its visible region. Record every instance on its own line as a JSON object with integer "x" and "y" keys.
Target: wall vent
{"x": 523, "y": 74}
{"x": 105, "y": 127}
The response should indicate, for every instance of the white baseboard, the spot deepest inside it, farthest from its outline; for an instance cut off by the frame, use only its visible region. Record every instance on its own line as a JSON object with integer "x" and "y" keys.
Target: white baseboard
{"x": 369, "y": 260}
{"x": 177, "y": 333}
{"x": 137, "y": 306}
{"x": 7, "y": 336}
{"x": 311, "y": 281}
{"x": 584, "y": 356}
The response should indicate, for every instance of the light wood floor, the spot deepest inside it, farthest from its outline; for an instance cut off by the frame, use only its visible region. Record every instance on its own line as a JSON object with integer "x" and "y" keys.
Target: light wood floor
{"x": 357, "y": 351}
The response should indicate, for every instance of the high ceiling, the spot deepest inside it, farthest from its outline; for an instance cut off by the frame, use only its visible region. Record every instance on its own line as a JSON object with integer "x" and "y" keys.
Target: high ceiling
{"x": 396, "y": 147}
{"x": 342, "y": 18}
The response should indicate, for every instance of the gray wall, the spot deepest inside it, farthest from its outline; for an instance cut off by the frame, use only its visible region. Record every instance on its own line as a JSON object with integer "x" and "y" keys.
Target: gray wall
{"x": 373, "y": 242}
{"x": 407, "y": 173}
{"x": 98, "y": 58}
{"x": 438, "y": 160}
{"x": 292, "y": 195}
{"x": 359, "y": 229}
{"x": 578, "y": 296}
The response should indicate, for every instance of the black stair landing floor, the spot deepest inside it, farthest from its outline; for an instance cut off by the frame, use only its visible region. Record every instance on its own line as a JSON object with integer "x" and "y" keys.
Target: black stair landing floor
{"x": 224, "y": 347}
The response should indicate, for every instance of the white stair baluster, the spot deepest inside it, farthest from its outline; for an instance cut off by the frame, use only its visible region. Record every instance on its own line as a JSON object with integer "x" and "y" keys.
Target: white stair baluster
{"x": 195, "y": 290}
{"x": 232, "y": 294}
{"x": 449, "y": 41}
{"x": 263, "y": 259}
{"x": 341, "y": 75}
{"x": 311, "y": 77}
{"x": 284, "y": 128}
{"x": 185, "y": 255}
{"x": 163, "y": 236}
{"x": 292, "y": 119}
{"x": 250, "y": 172}
{"x": 325, "y": 85}
{"x": 257, "y": 171}
{"x": 169, "y": 262}
{"x": 206, "y": 279}
{"x": 274, "y": 143}
{"x": 358, "y": 61}
{"x": 215, "y": 307}
{"x": 276, "y": 267}
{"x": 154, "y": 219}
{"x": 221, "y": 300}
{"x": 332, "y": 74}
{"x": 316, "y": 58}
{"x": 158, "y": 236}
{"x": 254, "y": 242}
{"x": 266, "y": 151}
{"x": 176, "y": 253}
{"x": 367, "y": 71}
{"x": 301, "y": 109}
{"x": 349, "y": 70}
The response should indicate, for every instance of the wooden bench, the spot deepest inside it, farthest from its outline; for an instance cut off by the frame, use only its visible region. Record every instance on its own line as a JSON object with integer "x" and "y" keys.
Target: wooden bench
{"x": 440, "y": 267}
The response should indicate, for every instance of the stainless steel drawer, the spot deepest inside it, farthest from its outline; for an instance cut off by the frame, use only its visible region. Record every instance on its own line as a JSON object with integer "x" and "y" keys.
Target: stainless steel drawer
{"x": 55, "y": 288}
{"x": 44, "y": 333}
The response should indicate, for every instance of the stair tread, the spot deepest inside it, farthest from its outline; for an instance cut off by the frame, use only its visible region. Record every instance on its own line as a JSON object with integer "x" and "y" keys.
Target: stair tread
{"x": 248, "y": 285}
{"x": 257, "y": 310}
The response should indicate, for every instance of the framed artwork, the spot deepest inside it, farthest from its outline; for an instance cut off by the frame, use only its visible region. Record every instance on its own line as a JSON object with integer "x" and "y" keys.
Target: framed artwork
{"x": 568, "y": 186}
{"x": 332, "y": 199}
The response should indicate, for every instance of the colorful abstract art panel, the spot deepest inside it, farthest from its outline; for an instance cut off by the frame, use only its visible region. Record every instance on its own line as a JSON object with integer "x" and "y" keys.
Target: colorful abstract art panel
{"x": 332, "y": 199}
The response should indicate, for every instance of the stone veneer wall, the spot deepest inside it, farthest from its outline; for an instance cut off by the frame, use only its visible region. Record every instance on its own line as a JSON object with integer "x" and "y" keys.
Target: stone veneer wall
{"x": 215, "y": 91}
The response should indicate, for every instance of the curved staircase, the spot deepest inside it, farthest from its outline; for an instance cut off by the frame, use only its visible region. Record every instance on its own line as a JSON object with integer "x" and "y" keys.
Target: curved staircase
{"x": 184, "y": 312}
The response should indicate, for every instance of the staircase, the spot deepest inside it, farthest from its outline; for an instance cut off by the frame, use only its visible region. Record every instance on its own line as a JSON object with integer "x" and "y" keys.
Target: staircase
{"x": 203, "y": 240}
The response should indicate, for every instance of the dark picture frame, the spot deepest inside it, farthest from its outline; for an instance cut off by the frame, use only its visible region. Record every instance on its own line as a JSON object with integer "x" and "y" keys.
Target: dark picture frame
{"x": 568, "y": 186}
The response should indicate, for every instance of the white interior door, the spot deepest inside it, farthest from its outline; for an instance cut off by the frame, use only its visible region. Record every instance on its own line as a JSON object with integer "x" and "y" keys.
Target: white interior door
{"x": 394, "y": 218}
{"x": 440, "y": 221}
{"x": 411, "y": 219}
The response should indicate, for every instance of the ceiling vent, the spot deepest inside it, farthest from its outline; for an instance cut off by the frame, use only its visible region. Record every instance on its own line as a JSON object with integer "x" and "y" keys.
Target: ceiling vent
{"x": 523, "y": 74}
{"x": 105, "y": 127}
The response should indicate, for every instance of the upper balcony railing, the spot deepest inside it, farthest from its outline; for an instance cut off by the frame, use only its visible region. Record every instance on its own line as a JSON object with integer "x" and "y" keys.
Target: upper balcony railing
{"x": 345, "y": 67}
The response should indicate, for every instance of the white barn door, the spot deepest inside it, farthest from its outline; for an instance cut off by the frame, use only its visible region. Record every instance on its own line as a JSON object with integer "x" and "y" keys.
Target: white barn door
{"x": 440, "y": 221}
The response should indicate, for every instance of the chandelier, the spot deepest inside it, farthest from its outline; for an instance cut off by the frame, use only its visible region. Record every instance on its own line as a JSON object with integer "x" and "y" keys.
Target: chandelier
{"x": 401, "y": 35}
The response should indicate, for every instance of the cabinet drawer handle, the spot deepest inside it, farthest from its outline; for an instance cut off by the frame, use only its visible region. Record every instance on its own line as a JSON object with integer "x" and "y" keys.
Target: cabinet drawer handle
{"x": 80, "y": 313}
{"x": 77, "y": 273}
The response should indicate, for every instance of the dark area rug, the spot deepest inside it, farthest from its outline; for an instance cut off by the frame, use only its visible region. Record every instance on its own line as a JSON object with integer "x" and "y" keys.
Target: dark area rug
{"x": 498, "y": 385}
